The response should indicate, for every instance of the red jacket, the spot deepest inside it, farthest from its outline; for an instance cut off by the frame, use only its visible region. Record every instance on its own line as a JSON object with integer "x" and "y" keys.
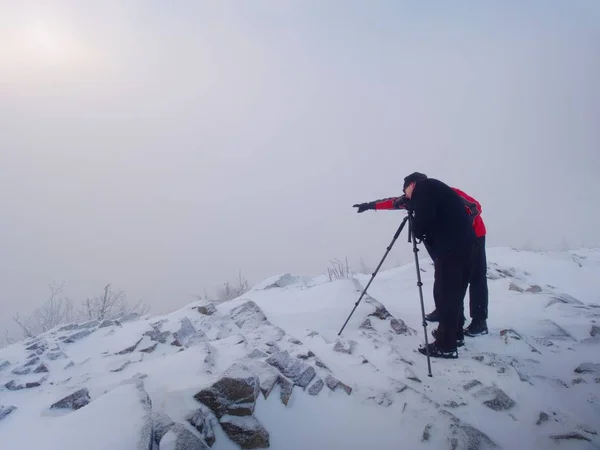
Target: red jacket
{"x": 472, "y": 206}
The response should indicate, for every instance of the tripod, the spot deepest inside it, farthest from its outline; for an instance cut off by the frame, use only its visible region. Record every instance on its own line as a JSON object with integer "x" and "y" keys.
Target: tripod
{"x": 411, "y": 238}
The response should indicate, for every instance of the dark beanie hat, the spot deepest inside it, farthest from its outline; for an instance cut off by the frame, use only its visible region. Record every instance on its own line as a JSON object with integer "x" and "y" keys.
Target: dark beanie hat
{"x": 413, "y": 177}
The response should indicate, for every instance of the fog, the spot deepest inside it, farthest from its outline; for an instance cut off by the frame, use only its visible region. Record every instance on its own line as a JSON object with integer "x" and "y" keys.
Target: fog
{"x": 163, "y": 146}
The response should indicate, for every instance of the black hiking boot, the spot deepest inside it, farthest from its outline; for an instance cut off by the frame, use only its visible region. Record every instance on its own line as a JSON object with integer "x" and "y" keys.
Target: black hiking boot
{"x": 433, "y": 316}
{"x": 460, "y": 340}
{"x": 436, "y": 352}
{"x": 476, "y": 328}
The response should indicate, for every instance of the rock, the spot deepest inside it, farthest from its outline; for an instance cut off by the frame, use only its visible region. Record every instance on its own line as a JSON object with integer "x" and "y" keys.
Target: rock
{"x": 56, "y": 354}
{"x": 367, "y": 325}
{"x": 268, "y": 381}
{"x": 157, "y": 336}
{"x": 344, "y": 347}
{"x": 21, "y": 371}
{"x": 207, "y": 310}
{"x": 578, "y": 381}
{"x": 409, "y": 374}
{"x": 588, "y": 367}
{"x": 32, "y": 362}
{"x": 234, "y": 394}
{"x": 316, "y": 387}
{"x": 161, "y": 424}
{"x": 77, "y": 336}
{"x": 13, "y": 386}
{"x": 294, "y": 341}
{"x": 306, "y": 355}
{"x": 256, "y": 353}
{"x": 39, "y": 347}
{"x": 180, "y": 438}
{"x": 516, "y": 288}
{"x": 296, "y": 370}
{"x": 452, "y": 404}
{"x": 107, "y": 323}
{"x": 380, "y": 311}
{"x": 595, "y": 331}
{"x": 74, "y": 401}
{"x": 467, "y": 437}
{"x": 320, "y": 364}
{"x": 247, "y": 432}
{"x": 399, "y": 326}
{"x": 5, "y": 411}
{"x": 187, "y": 335}
{"x": 68, "y": 366}
{"x": 149, "y": 349}
{"x": 569, "y": 437}
{"x": 565, "y": 299}
{"x": 205, "y": 422}
{"x": 41, "y": 369}
{"x": 333, "y": 383}
{"x": 4, "y": 365}
{"x": 249, "y": 316}
{"x": 427, "y": 433}
{"x": 534, "y": 289}
{"x": 494, "y": 397}
{"x": 543, "y": 418}
{"x": 130, "y": 349}
{"x": 121, "y": 367}
{"x": 286, "y": 389}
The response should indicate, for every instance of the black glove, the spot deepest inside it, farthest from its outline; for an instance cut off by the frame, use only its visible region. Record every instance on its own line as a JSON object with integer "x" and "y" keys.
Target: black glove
{"x": 362, "y": 207}
{"x": 401, "y": 202}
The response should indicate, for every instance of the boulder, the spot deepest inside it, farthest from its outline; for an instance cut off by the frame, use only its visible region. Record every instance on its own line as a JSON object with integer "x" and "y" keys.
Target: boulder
{"x": 76, "y": 336}
{"x": 6, "y": 410}
{"x": 399, "y": 326}
{"x": 234, "y": 394}
{"x": 180, "y": 438}
{"x": 534, "y": 289}
{"x": 56, "y": 354}
{"x": 286, "y": 389}
{"x": 13, "y": 386}
{"x": 247, "y": 432}
{"x": 21, "y": 371}
{"x": 75, "y": 401}
{"x": 296, "y": 370}
{"x": 345, "y": 347}
{"x": 205, "y": 422}
{"x": 595, "y": 331}
{"x": 515, "y": 287}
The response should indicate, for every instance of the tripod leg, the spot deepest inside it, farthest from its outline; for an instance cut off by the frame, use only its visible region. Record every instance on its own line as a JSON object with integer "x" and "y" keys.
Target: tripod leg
{"x": 420, "y": 285}
{"x": 375, "y": 273}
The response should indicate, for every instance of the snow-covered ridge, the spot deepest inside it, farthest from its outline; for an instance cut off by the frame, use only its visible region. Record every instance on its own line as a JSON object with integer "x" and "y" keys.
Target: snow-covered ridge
{"x": 268, "y": 370}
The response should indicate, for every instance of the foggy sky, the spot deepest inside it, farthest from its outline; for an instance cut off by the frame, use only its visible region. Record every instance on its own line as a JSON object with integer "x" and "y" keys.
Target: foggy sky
{"x": 163, "y": 146}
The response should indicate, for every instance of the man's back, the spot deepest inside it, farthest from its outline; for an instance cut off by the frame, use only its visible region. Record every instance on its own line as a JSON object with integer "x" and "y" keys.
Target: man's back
{"x": 440, "y": 216}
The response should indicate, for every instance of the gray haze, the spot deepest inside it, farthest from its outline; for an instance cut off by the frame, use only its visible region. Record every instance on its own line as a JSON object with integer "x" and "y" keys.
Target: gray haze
{"x": 162, "y": 146}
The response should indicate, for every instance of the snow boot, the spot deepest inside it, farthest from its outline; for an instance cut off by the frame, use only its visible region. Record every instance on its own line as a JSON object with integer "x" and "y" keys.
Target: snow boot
{"x": 476, "y": 328}
{"x": 433, "y": 316}
{"x": 436, "y": 352}
{"x": 460, "y": 341}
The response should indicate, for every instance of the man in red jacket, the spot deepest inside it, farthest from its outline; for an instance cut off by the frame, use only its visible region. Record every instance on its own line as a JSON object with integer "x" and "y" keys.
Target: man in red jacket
{"x": 478, "y": 288}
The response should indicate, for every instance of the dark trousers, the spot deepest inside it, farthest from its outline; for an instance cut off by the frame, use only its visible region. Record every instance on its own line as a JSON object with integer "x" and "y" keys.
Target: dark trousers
{"x": 478, "y": 288}
{"x": 452, "y": 275}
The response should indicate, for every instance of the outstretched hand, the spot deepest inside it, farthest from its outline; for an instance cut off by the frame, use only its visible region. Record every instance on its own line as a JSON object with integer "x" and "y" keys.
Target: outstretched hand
{"x": 362, "y": 207}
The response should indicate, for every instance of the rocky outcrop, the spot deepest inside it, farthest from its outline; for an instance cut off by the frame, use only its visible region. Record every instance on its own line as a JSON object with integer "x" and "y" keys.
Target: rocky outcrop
{"x": 74, "y": 401}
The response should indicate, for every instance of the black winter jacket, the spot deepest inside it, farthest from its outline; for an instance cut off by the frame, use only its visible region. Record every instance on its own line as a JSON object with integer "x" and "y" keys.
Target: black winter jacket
{"x": 440, "y": 218}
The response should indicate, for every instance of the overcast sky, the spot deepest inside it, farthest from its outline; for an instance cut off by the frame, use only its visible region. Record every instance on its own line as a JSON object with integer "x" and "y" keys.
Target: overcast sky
{"x": 161, "y": 146}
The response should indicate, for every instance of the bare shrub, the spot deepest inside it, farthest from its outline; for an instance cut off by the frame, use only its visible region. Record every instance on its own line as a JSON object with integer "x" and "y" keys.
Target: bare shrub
{"x": 339, "y": 270}
{"x": 231, "y": 290}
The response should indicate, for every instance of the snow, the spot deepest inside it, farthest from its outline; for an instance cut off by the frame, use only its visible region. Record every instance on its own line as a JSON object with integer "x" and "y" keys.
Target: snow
{"x": 532, "y": 381}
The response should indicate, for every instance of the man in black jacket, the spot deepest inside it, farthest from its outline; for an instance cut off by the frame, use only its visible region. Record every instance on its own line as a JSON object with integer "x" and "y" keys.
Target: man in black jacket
{"x": 444, "y": 226}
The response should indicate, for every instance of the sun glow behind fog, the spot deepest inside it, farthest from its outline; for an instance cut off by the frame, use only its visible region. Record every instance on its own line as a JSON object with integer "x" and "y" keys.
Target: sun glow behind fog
{"x": 47, "y": 43}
